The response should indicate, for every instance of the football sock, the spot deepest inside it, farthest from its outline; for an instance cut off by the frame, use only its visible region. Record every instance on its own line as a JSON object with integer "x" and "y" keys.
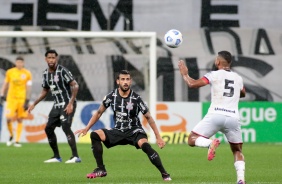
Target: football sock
{"x": 72, "y": 144}
{"x": 10, "y": 128}
{"x": 71, "y": 139}
{"x": 52, "y": 139}
{"x": 203, "y": 142}
{"x": 240, "y": 169}
{"x": 19, "y": 131}
{"x": 153, "y": 156}
{"x": 97, "y": 149}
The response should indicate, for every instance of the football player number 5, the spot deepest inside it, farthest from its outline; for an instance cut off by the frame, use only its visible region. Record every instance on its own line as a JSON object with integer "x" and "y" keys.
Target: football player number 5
{"x": 229, "y": 88}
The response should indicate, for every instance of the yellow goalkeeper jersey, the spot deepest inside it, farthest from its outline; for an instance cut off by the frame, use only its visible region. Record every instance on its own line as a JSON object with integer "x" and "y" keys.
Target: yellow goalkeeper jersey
{"x": 17, "y": 80}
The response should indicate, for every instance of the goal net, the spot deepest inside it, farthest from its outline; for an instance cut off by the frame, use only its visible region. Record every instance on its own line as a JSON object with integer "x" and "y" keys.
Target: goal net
{"x": 94, "y": 58}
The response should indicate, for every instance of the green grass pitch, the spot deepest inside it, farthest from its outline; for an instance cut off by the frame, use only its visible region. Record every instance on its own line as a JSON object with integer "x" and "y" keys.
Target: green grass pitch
{"x": 125, "y": 164}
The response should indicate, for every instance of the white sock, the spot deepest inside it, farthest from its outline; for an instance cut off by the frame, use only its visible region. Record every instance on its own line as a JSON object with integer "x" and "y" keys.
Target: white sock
{"x": 203, "y": 142}
{"x": 240, "y": 169}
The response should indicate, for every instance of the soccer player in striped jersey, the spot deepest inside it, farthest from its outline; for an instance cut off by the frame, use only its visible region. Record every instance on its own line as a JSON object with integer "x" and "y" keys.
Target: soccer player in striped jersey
{"x": 126, "y": 105}
{"x": 18, "y": 81}
{"x": 226, "y": 90}
{"x": 63, "y": 87}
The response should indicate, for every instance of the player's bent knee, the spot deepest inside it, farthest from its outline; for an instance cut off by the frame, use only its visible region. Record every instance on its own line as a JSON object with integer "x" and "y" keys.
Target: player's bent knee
{"x": 191, "y": 141}
{"x": 146, "y": 147}
{"x": 142, "y": 141}
{"x": 95, "y": 137}
{"x": 192, "y": 138}
{"x": 49, "y": 130}
{"x": 67, "y": 130}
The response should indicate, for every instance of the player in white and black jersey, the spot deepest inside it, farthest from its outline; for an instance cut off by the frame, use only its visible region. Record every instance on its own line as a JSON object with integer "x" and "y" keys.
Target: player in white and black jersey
{"x": 226, "y": 90}
{"x": 126, "y": 105}
{"x": 60, "y": 82}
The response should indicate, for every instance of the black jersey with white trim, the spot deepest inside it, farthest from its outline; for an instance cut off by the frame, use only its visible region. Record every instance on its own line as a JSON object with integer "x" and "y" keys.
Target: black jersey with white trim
{"x": 59, "y": 84}
{"x": 126, "y": 110}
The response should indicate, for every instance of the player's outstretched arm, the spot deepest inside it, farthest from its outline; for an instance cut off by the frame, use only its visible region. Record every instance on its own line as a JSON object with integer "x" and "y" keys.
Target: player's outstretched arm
{"x": 95, "y": 117}
{"x": 42, "y": 95}
{"x": 192, "y": 83}
{"x": 154, "y": 127}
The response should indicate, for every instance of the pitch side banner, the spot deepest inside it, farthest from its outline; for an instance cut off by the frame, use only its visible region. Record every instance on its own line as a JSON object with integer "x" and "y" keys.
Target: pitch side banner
{"x": 174, "y": 120}
{"x": 261, "y": 121}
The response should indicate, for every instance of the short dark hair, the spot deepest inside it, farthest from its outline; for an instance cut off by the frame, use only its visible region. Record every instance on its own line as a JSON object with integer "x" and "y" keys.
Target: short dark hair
{"x": 123, "y": 72}
{"x": 52, "y": 51}
{"x": 225, "y": 55}
{"x": 20, "y": 58}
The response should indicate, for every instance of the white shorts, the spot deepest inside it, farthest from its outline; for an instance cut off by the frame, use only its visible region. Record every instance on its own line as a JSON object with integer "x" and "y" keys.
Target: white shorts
{"x": 212, "y": 123}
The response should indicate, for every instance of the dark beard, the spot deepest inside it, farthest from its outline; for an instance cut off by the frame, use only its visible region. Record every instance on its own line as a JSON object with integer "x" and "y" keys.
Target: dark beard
{"x": 124, "y": 90}
{"x": 52, "y": 68}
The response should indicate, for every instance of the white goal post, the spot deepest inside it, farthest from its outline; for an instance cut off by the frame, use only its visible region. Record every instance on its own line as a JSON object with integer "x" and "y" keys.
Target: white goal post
{"x": 151, "y": 36}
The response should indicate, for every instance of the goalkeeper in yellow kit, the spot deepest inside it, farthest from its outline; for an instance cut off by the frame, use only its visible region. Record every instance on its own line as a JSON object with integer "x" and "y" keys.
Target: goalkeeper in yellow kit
{"x": 17, "y": 84}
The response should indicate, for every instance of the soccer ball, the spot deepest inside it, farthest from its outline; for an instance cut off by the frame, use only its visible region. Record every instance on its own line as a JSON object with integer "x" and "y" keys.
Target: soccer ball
{"x": 173, "y": 38}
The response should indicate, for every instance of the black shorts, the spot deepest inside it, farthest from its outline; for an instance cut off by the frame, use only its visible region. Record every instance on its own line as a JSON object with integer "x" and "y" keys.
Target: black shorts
{"x": 116, "y": 137}
{"x": 58, "y": 116}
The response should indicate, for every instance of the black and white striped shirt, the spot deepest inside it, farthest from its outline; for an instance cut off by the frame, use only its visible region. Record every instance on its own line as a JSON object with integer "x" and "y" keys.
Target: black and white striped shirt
{"x": 126, "y": 110}
{"x": 59, "y": 84}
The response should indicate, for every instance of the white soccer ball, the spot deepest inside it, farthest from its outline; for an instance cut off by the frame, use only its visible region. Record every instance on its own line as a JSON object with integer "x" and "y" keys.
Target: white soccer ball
{"x": 173, "y": 38}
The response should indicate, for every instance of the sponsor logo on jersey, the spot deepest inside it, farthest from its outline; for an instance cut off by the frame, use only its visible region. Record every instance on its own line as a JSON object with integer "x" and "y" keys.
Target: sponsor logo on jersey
{"x": 121, "y": 117}
{"x": 62, "y": 118}
{"x": 138, "y": 130}
{"x": 108, "y": 101}
{"x": 54, "y": 92}
{"x": 52, "y": 87}
{"x": 223, "y": 109}
{"x": 142, "y": 106}
{"x": 67, "y": 78}
{"x": 133, "y": 97}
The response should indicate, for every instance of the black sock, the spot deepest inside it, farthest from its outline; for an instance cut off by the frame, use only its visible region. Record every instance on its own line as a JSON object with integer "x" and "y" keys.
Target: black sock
{"x": 71, "y": 139}
{"x": 52, "y": 139}
{"x": 72, "y": 143}
{"x": 153, "y": 156}
{"x": 97, "y": 149}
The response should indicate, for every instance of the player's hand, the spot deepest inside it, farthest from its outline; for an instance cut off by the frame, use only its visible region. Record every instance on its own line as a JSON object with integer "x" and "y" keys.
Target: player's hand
{"x": 2, "y": 100}
{"x": 69, "y": 108}
{"x": 26, "y": 104}
{"x": 182, "y": 67}
{"x": 160, "y": 143}
{"x": 30, "y": 108}
{"x": 81, "y": 132}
